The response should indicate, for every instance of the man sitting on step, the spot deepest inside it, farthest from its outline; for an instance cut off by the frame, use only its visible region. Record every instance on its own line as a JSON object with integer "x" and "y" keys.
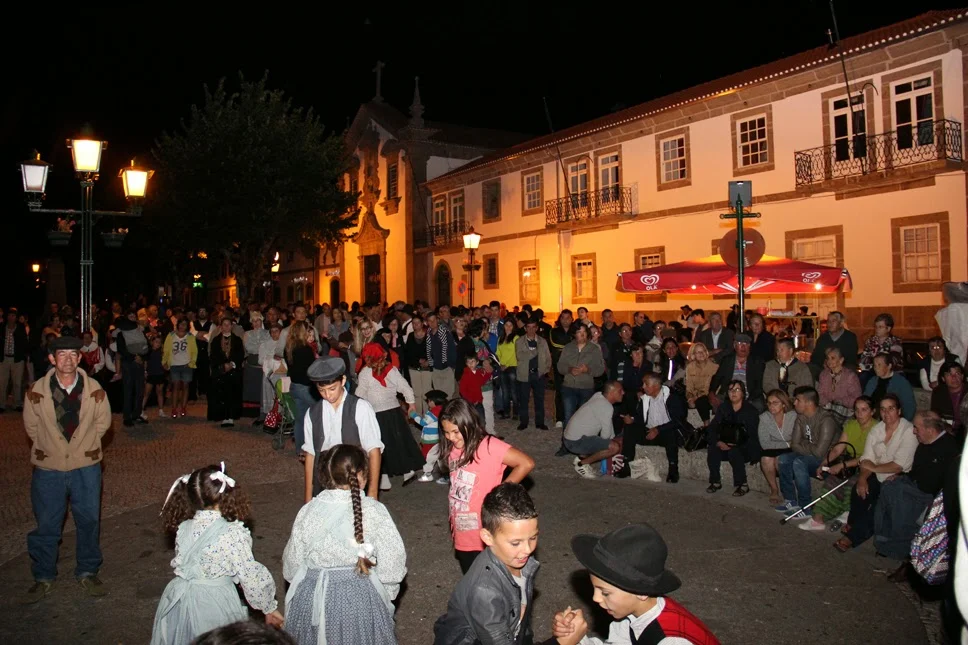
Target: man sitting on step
{"x": 590, "y": 432}
{"x": 660, "y": 419}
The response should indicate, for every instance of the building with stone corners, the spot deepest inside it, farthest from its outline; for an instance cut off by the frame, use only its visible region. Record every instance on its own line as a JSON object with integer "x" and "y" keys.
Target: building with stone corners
{"x": 874, "y": 182}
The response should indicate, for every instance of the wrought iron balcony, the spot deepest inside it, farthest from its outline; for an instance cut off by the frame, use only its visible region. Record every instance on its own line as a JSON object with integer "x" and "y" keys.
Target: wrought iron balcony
{"x": 864, "y": 154}
{"x": 442, "y": 234}
{"x": 589, "y": 205}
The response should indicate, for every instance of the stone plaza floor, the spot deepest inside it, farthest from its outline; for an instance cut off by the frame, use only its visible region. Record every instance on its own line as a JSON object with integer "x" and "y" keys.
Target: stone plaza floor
{"x": 748, "y": 578}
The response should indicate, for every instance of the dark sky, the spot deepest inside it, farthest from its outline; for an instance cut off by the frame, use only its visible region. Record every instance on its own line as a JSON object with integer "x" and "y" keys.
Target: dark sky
{"x": 131, "y": 74}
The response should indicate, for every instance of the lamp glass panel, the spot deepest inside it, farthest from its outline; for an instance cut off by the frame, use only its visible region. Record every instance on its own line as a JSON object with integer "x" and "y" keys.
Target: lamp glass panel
{"x": 135, "y": 182}
{"x": 35, "y": 177}
{"x": 87, "y": 155}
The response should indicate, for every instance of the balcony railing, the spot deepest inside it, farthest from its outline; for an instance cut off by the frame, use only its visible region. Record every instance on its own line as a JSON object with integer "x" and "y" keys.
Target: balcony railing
{"x": 588, "y": 205}
{"x": 442, "y": 234}
{"x": 864, "y": 154}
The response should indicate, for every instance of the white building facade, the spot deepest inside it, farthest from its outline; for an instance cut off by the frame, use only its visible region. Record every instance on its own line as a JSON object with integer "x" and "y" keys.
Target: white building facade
{"x": 873, "y": 181}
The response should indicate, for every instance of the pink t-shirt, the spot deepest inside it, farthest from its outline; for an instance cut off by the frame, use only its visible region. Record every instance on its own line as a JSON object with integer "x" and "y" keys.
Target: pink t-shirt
{"x": 468, "y": 487}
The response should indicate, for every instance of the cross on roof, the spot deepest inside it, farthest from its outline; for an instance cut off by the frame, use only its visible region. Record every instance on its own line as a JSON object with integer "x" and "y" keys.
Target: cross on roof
{"x": 379, "y": 75}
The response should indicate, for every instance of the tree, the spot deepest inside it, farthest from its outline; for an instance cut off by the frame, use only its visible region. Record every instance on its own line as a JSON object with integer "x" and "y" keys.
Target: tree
{"x": 247, "y": 174}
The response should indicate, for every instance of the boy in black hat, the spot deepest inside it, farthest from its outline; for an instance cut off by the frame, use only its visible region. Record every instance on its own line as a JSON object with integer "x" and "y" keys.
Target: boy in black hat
{"x": 627, "y": 570}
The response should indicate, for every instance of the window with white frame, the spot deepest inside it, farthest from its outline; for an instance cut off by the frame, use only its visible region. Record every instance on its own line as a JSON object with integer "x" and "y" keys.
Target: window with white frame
{"x": 584, "y": 278}
{"x": 816, "y": 250}
{"x": 849, "y": 128}
{"x": 529, "y": 282}
{"x": 608, "y": 167}
{"x": 457, "y": 209}
{"x": 921, "y": 253}
{"x": 914, "y": 113}
{"x": 578, "y": 182}
{"x": 532, "y": 191}
{"x": 440, "y": 213}
{"x": 753, "y": 140}
{"x": 674, "y": 159}
{"x": 650, "y": 260}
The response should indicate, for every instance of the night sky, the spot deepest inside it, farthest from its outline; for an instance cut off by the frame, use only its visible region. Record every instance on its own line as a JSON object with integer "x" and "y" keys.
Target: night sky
{"x": 131, "y": 74}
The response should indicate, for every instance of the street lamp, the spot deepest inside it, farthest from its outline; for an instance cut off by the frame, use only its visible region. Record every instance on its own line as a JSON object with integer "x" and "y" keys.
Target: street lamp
{"x": 472, "y": 241}
{"x": 35, "y": 268}
{"x": 86, "y": 156}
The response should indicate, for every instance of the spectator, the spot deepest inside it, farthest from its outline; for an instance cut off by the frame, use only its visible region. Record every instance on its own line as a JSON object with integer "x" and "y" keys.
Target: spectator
{"x": 763, "y": 345}
{"x": 946, "y": 399}
{"x": 659, "y": 419}
{"x": 699, "y": 374}
{"x": 888, "y": 451}
{"x": 837, "y": 336}
{"x": 579, "y": 364}
{"x": 716, "y": 338}
{"x": 738, "y": 365}
{"x": 590, "y": 433}
{"x": 13, "y": 361}
{"x": 785, "y": 372}
{"x": 671, "y": 362}
{"x": 734, "y": 434}
{"x": 534, "y": 361}
{"x": 838, "y": 387}
{"x": 775, "y": 432}
{"x": 938, "y": 355}
{"x": 883, "y": 341}
{"x": 813, "y": 434}
{"x": 890, "y": 382}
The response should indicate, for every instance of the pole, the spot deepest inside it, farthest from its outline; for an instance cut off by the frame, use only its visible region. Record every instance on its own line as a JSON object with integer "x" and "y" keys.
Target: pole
{"x": 741, "y": 257}
{"x": 470, "y": 291}
{"x": 87, "y": 260}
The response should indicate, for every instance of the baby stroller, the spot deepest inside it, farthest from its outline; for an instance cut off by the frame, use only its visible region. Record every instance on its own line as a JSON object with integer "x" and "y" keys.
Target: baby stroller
{"x": 282, "y": 416}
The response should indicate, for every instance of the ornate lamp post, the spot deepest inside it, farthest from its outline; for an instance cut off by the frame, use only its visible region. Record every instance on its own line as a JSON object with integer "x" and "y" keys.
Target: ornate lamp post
{"x": 472, "y": 241}
{"x": 86, "y": 155}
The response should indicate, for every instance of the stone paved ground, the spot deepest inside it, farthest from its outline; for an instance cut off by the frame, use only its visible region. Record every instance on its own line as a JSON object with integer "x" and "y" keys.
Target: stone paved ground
{"x": 750, "y": 579}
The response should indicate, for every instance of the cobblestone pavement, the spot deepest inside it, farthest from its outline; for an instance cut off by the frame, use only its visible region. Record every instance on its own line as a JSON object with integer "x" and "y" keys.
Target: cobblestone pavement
{"x": 750, "y": 579}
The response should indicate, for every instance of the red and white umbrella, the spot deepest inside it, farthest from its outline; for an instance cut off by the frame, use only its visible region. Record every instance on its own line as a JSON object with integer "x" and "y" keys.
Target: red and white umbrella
{"x": 710, "y": 275}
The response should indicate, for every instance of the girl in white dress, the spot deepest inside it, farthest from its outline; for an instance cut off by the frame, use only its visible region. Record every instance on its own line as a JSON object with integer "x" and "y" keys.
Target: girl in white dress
{"x": 345, "y": 560}
{"x": 213, "y": 552}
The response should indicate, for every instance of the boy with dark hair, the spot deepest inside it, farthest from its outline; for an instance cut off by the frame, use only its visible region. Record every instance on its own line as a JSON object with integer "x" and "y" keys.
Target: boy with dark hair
{"x": 491, "y": 605}
{"x": 628, "y": 572}
{"x": 430, "y": 434}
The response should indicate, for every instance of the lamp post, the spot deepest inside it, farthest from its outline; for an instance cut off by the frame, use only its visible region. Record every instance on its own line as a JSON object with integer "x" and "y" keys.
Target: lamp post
{"x": 472, "y": 240}
{"x": 86, "y": 155}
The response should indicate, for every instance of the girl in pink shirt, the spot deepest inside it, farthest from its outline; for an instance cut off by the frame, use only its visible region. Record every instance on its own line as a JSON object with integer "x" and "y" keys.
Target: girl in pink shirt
{"x": 476, "y": 462}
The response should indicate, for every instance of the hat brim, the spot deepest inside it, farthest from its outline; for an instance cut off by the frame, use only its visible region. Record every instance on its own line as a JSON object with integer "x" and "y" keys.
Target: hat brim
{"x": 584, "y": 547}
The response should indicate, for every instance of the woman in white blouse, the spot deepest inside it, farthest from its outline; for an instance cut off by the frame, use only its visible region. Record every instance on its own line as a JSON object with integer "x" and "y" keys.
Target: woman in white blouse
{"x": 888, "y": 451}
{"x": 379, "y": 383}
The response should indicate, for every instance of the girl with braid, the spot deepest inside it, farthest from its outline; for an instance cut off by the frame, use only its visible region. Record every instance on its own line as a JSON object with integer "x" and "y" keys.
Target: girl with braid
{"x": 345, "y": 559}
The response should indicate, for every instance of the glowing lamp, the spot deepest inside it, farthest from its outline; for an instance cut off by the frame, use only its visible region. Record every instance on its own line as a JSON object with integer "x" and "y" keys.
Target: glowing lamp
{"x": 86, "y": 154}
{"x": 472, "y": 240}
{"x": 34, "y": 173}
{"x": 35, "y": 268}
{"x": 135, "y": 180}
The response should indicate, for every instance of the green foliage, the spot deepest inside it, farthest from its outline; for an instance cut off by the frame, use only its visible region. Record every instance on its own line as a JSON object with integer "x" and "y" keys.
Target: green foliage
{"x": 247, "y": 175}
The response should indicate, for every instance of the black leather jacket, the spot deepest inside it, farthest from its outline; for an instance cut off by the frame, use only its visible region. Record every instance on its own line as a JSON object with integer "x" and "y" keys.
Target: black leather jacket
{"x": 485, "y": 606}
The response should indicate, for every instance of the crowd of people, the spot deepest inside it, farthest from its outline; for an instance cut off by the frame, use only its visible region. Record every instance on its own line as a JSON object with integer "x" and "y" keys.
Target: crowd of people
{"x": 365, "y": 379}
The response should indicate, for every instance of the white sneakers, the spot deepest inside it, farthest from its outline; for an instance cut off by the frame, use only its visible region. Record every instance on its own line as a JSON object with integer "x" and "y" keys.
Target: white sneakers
{"x": 161, "y": 413}
{"x": 811, "y": 525}
{"x": 585, "y": 470}
{"x": 425, "y": 478}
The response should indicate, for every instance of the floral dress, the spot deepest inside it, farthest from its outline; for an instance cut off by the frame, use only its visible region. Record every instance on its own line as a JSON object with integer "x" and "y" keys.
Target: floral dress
{"x": 890, "y": 344}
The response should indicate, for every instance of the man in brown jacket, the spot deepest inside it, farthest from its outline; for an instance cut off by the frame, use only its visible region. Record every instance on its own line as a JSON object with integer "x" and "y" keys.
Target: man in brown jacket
{"x": 65, "y": 415}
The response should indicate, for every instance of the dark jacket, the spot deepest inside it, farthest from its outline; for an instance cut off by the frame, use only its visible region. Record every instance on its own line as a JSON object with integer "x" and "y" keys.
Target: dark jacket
{"x": 437, "y": 347}
{"x": 754, "y": 377}
{"x": 726, "y": 337}
{"x": 847, "y": 344}
{"x": 19, "y": 342}
{"x": 749, "y": 417}
{"x": 485, "y": 606}
{"x": 676, "y": 407}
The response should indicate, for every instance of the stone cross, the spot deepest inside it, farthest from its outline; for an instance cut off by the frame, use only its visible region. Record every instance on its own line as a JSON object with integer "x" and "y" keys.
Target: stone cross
{"x": 379, "y": 74}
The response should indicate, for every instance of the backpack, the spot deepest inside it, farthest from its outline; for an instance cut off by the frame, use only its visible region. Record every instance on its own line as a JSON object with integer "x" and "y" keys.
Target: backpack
{"x": 929, "y": 548}
{"x": 135, "y": 341}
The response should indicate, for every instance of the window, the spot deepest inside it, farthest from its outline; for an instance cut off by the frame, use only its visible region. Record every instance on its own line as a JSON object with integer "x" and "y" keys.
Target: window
{"x": 649, "y": 258}
{"x": 753, "y": 143}
{"x": 457, "y": 209}
{"x": 578, "y": 183}
{"x": 392, "y": 181}
{"x": 491, "y": 200}
{"x": 921, "y": 251}
{"x": 584, "y": 288}
{"x": 816, "y": 250}
{"x": 531, "y": 192}
{"x": 608, "y": 174}
{"x": 914, "y": 113}
{"x": 529, "y": 279}
{"x": 490, "y": 270}
{"x": 673, "y": 159}
{"x": 440, "y": 211}
{"x": 849, "y": 128}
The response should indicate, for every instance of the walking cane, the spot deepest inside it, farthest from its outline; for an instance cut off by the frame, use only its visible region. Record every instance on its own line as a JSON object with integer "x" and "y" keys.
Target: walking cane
{"x": 846, "y": 473}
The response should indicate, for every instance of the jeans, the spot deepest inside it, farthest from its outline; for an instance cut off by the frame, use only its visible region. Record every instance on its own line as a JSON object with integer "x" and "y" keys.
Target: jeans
{"x": 536, "y": 384}
{"x": 303, "y": 399}
{"x": 861, "y": 517}
{"x": 795, "y": 471}
{"x": 49, "y": 492}
{"x": 133, "y": 380}
{"x": 573, "y": 398}
{"x": 509, "y": 391}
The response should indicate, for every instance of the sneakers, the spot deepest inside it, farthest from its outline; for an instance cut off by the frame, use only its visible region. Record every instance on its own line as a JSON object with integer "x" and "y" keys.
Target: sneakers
{"x": 161, "y": 413}
{"x": 811, "y": 525}
{"x": 93, "y": 586}
{"x": 443, "y": 481}
{"x": 228, "y": 423}
{"x": 37, "y": 592}
{"x": 409, "y": 478}
{"x": 558, "y": 424}
{"x": 425, "y": 478}
{"x": 799, "y": 516}
{"x": 585, "y": 470}
{"x": 786, "y": 507}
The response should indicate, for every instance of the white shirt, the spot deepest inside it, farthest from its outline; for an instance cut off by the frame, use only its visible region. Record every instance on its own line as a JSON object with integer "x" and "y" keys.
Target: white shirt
{"x": 333, "y": 422}
{"x": 716, "y": 335}
{"x": 618, "y": 632}
{"x": 658, "y": 414}
{"x": 380, "y": 397}
{"x": 70, "y": 388}
{"x": 900, "y": 450}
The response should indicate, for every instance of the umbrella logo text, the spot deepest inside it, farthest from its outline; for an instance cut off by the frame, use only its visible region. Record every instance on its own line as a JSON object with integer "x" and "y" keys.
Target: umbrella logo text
{"x": 649, "y": 281}
{"x": 810, "y": 276}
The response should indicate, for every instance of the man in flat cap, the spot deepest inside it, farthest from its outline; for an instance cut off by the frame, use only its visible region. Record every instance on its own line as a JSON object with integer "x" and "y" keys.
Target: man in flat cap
{"x": 339, "y": 417}
{"x": 65, "y": 414}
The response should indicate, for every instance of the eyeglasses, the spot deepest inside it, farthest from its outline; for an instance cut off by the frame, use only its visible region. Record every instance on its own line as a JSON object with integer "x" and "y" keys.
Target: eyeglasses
{"x": 736, "y": 388}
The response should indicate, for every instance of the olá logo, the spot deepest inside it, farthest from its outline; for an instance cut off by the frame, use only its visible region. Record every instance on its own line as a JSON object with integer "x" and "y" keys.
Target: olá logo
{"x": 810, "y": 276}
{"x": 649, "y": 281}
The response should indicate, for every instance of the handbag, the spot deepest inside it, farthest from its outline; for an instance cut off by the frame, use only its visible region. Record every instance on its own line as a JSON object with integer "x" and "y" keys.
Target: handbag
{"x": 695, "y": 440}
{"x": 273, "y": 417}
{"x": 929, "y": 548}
{"x": 732, "y": 433}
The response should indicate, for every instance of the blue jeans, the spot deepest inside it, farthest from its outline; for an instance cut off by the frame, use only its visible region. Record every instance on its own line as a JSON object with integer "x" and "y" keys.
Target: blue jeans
{"x": 509, "y": 391}
{"x": 573, "y": 398}
{"x": 536, "y": 384}
{"x": 49, "y": 492}
{"x": 303, "y": 399}
{"x": 795, "y": 472}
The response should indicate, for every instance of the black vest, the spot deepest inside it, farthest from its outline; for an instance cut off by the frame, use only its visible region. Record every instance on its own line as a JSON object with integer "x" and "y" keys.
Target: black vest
{"x": 349, "y": 432}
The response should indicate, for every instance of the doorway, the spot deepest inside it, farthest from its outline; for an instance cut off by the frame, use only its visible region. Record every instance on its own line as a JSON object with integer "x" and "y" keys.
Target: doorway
{"x": 372, "y": 279}
{"x": 444, "y": 281}
{"x": 334, "y": 292}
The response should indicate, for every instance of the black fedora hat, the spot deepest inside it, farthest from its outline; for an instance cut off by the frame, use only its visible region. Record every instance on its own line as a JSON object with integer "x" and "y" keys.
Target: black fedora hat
{"x": 632, "y": 558}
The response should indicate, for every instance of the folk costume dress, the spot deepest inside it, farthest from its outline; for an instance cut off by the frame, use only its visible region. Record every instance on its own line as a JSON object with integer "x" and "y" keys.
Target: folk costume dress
{"x": 211, "y": 555}
{"x": 328, "y": 600}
